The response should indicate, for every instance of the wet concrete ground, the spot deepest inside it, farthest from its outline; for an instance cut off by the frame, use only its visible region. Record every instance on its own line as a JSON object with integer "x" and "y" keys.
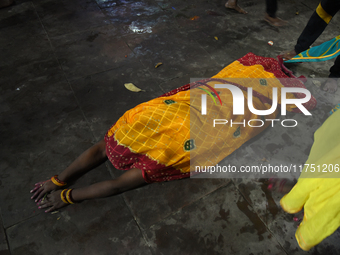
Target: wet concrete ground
{"x": 63, "y": 65}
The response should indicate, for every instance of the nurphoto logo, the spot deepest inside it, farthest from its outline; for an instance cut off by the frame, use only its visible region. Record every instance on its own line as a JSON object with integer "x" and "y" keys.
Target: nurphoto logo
{"x": 239, "y": 102}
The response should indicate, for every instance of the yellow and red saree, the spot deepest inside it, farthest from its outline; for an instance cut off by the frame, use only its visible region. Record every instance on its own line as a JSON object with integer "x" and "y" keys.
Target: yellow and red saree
{"x": 155, "y": 135}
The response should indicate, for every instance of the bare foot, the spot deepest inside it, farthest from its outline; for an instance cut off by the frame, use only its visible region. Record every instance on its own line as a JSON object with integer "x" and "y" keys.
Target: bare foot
{"x": 232, "y": 4}
{"x": 330, "y": 86}
{"x": 276, "y": 22}
{"x": 288, "y": 55}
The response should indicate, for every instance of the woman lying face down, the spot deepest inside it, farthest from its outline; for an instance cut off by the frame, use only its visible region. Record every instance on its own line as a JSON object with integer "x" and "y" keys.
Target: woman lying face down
{"x": 155, "y": 141}
{"x": 152, "y": 143}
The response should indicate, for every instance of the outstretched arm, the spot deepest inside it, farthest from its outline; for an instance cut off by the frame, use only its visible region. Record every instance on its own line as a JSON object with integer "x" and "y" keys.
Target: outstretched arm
{"x": 131, "y": 179}
{"x": 88, "y": 160}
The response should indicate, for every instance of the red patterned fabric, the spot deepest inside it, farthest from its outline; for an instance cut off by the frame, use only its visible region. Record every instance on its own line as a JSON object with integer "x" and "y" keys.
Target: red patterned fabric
{"x": 122, "y": 158}
{"x": 175, "y": 91}
{"x": 287, "y": 79}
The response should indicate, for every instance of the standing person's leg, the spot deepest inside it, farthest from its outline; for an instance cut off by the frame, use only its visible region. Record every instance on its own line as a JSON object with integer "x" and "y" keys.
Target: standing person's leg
{"x": 271, "y": 8}
{"x": 332, "y": 84}
{"x": 270, "y": 16}
{"x": 331, "y": 7}
{"x": 314, "y": 28}
{"x": 335, "y": 69}
{"x": 317, "y": 24}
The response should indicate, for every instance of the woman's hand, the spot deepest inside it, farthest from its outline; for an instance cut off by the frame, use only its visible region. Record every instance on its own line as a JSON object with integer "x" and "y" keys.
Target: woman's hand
{"x": 42, "y": 188}
{"x": 53, "y": 201}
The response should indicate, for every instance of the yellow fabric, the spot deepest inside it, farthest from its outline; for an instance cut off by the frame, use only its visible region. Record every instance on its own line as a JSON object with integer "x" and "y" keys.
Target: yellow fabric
{"x": 157, "y": 129}
{"x": 323, "y": 14}
{"x": 160, "y": 128}
{"x": 237, "y": 72}
{"x": 320, "y": 197}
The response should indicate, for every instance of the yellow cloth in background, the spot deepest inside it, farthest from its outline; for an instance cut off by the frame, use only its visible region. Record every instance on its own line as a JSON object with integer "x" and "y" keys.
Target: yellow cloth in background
{"x": 320, "y": 197}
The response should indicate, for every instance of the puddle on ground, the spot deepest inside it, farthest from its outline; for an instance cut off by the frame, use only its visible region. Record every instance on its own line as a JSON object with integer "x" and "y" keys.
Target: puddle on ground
{"x": 140, "y": 29}
{"x": 257, "y": 226}
{"x": 272, "y": 207}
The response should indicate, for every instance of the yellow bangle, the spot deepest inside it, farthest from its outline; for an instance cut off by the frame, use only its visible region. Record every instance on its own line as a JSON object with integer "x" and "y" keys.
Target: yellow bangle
{"x": 68, "y": 197}
{"x": 62, "y": 196}
{"x": 57, "y": 182}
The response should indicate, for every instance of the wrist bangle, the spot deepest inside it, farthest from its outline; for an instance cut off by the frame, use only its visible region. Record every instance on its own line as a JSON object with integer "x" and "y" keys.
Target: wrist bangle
{"x": 62, "y": 196}
{"x": 69, "y": 196}
{"x": 57, "y": 182}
